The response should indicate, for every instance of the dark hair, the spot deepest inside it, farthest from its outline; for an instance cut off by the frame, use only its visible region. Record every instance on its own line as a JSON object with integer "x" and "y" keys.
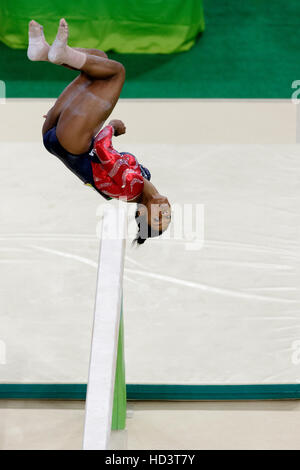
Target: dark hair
{"x": 144, "y": 229}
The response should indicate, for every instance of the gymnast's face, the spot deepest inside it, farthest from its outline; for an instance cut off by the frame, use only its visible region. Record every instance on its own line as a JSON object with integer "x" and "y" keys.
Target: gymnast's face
{"x": 159, "y": 213}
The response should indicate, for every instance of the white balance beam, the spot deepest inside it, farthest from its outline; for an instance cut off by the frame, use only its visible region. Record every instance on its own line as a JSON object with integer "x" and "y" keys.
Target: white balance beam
{"x": 101, "y": 380}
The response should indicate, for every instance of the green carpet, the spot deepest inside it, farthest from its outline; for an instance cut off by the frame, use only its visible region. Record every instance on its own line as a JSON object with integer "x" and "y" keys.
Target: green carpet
{"x": 248, "y": 50}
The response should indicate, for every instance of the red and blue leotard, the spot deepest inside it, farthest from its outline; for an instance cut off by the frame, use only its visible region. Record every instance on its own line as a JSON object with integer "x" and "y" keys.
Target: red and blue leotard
{"x": 112, "y": 174}
{"x": 119, "y": 175}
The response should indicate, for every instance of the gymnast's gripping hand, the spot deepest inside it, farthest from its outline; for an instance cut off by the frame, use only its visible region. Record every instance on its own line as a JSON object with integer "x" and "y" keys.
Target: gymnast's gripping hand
{"x": 119, "y": 127}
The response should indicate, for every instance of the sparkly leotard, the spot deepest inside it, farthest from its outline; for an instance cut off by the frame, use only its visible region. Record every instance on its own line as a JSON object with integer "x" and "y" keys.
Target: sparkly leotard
{"x": 112, "y": 174}
{"x": 119, "y": 175}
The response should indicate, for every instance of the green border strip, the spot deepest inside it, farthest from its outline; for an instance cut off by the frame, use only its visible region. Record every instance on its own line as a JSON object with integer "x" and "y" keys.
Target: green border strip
{"x": 156, "y": 392}
{"x": 119, "y": 405}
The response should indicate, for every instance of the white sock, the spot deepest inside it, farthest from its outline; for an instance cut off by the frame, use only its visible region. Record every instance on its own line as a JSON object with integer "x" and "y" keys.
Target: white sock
{"x": 38, "y": 47}
{"x": 61, "y": 53}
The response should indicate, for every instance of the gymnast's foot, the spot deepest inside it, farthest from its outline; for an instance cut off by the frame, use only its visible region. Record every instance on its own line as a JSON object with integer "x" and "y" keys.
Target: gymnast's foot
{"x": 38, "y": 47}
{"x": 57, "y": 51}
{"x": 60, "y": 53}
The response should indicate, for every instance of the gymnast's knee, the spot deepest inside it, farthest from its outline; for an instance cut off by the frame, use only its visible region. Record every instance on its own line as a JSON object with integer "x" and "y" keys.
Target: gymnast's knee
{"x": 120, "y": 69}
{"x": 99, "y": 53}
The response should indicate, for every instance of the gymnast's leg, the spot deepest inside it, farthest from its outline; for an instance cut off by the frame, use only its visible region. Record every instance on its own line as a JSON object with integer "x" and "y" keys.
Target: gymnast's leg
{"x": 90, "y": 100}
{"x": 83, "y": 118}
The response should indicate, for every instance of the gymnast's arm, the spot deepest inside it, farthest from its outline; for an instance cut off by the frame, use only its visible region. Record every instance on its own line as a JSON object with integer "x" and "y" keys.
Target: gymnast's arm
{"x": 107, "y": 155}
{"x": 103, "y": 143}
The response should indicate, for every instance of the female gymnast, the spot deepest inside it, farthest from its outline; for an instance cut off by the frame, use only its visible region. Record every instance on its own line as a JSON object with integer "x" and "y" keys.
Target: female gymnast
{"x": 71, "y": 129}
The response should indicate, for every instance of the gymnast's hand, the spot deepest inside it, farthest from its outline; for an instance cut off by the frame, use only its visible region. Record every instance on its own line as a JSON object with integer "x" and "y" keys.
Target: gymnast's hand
{"x": 119, "y": 127}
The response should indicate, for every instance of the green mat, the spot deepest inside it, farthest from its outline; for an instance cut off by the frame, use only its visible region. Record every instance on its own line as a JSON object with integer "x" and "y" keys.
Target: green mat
{"x": 248, "y": 50}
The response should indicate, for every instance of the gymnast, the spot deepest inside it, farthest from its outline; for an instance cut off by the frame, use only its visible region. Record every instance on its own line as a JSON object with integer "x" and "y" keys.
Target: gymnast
{"x": 73, "y": 129}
